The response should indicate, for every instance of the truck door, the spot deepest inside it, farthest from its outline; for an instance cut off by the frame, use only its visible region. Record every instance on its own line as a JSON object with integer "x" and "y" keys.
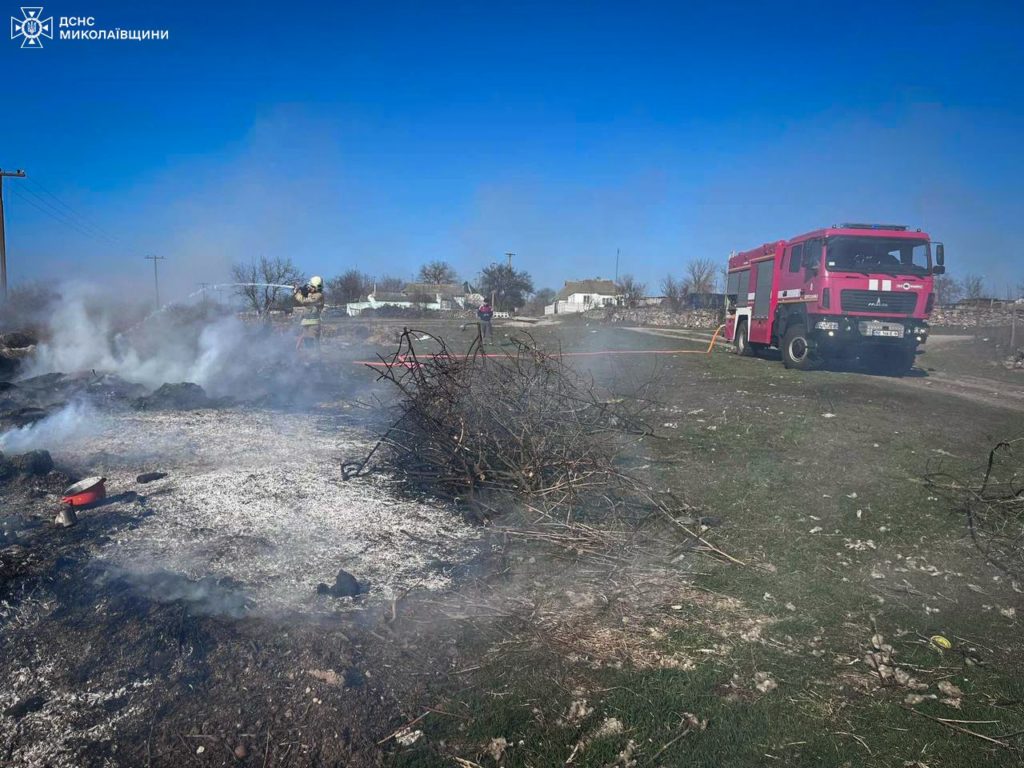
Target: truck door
{"x": 761, "y": 282}
{"x": 791, "y": 276}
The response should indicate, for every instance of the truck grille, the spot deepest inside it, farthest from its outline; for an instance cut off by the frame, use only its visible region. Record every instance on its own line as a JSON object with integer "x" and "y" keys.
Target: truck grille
{"x": 882, "y": 302}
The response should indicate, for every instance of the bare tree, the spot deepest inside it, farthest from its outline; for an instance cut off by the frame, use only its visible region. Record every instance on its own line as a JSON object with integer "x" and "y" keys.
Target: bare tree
{"x": 675, "y": 292}
{"x": 700, "y": 275}
{"x": 389, "y": 284}
{"x": 263, "y": 282}
{"x": 438, "y": 272}
{"x": 539, "y": 300}
{"x": 973, "y": 286}
{"x": 352, "y": 285}
{"x": 947, "y": 290}
{"x": 632, "y": 290}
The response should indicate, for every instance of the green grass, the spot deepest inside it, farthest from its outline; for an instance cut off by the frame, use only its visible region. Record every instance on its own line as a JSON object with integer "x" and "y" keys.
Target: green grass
{"x": 760, "y": 454}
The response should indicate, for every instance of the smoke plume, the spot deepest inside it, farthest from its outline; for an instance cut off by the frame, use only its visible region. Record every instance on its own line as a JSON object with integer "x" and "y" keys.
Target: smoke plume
{"x": 55, "y": 429}
{"x": 87, "y": 331}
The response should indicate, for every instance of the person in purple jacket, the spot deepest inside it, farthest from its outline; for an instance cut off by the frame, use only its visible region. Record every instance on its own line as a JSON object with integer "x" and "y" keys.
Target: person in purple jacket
{"x": 485, "y": 314}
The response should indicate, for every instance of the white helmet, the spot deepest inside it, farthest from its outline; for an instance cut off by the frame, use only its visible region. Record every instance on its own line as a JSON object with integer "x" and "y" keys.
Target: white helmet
{"x": 316, "y": 282}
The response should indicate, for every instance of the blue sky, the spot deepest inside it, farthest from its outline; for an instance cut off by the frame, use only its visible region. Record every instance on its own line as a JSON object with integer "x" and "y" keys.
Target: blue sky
{"x": 381, "y": 135}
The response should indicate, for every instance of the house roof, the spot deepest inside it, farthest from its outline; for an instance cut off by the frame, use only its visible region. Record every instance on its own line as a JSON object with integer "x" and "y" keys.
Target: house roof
{"x": 602, "y": 287}
{"x": 382, "y": 296}
{"x": 447, "y": 290}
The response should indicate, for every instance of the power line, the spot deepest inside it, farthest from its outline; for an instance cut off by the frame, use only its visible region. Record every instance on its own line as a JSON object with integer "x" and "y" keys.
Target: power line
{"x": 35, "y": 183}
{"x": 81, "y": 223}
{"x": 61, "y": 219}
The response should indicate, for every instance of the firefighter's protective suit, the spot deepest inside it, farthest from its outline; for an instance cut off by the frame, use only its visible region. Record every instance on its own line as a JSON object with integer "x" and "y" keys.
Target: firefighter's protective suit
{"x": 311, "y": 298}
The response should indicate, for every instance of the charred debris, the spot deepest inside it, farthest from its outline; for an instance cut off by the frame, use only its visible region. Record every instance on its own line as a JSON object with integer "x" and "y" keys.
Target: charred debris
{"x": 513, "y": 433}
{"x": 992, "y": 503}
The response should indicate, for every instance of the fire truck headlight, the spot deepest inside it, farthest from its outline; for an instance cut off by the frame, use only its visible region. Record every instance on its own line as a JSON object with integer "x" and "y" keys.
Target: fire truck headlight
{"x": 827, "y": 325}
{"x": 831, "y": 333}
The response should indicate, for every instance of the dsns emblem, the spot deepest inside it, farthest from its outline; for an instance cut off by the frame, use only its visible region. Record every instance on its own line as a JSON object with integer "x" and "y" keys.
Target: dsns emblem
{"x": 31, "y": 27}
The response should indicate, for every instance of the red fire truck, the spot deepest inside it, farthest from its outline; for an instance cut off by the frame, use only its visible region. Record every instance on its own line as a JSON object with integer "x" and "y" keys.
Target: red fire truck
{"x": 852, "y": 290}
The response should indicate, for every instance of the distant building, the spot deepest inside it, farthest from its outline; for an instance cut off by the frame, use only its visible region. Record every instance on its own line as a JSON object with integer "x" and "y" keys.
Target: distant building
{"x": 703, "y": 301}
{"x": 583, "y": 295}
{"x": 433, "y": 296}
{"x": 982, "y": 302}
{"x": 652, "y": 301}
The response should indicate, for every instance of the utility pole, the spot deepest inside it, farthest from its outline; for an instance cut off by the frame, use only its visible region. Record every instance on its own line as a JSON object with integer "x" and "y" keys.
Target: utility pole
{"x": 203, "y": 287}
{"x": 18, "y": 174}
{"x": 616, "y": 266}
{"x": 156, "y": 278}
{"x": 509, "y": 255}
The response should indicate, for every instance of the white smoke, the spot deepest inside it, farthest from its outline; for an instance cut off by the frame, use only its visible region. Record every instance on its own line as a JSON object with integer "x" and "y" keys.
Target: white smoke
{"x": 58, "y": 428}
{"x": 177, "y": 344}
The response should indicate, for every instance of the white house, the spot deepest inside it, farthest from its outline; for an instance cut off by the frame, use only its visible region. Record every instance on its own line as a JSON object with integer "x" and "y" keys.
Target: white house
{"x": 583, "y": 295}
{"x": 442, "y": 296}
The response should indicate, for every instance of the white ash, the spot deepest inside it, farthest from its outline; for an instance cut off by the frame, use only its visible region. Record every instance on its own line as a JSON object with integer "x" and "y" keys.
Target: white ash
{"x": 257, "y": 496}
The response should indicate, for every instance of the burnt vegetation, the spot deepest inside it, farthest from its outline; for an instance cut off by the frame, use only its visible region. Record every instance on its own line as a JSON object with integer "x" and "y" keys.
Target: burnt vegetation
{"x": 993, "y": 505}
{"x": 521, "y": 434}
{"x": 483, "y": 427}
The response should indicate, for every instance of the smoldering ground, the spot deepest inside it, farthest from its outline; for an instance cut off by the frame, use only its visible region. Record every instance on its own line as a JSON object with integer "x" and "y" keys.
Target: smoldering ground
{"x": 206, "y": 579}
{"x": 249, "y": 516}
{"x": 201, "y": 343}
{"x": 253, "y": 491}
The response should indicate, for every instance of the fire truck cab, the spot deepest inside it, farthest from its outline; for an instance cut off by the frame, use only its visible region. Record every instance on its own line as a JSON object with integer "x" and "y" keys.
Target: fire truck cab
{"x": 851, "y": 290}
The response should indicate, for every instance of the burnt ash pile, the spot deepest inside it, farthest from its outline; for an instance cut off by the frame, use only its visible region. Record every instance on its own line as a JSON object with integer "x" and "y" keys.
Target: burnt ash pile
{"x": 26, "y": 401}
{"x": 23, "y": 478}
{"x": 182, "y": 611}
{"x": 15, "y": 348}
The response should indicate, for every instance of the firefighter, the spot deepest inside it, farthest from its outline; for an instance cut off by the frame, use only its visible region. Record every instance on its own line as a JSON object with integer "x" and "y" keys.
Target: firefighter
{"x": 484, "y": 314}
{"x": 311, "y": 297}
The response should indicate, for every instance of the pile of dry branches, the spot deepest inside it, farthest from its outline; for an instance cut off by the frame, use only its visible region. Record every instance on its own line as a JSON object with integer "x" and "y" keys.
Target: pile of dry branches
{"x": 993, "y": 505}
{"x": 516, "y": 420}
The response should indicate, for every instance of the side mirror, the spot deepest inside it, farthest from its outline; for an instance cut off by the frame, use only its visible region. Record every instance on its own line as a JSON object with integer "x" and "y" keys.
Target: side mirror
{"x": 938, "y": 269}
{"x": 940, "y": 255}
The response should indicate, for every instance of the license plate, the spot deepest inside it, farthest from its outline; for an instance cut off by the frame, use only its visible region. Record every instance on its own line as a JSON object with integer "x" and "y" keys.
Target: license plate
{"x": 887, "y": 332}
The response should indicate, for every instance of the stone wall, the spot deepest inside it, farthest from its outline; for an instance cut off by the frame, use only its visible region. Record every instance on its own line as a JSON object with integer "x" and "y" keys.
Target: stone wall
{"x": 942, "y": 317}
{"x": 659, "y": 317}
{"x": 974, "y": 317}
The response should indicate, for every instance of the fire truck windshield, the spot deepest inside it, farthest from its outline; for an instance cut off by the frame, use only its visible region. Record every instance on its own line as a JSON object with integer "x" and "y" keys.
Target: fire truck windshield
{"x": 878, "y": 254}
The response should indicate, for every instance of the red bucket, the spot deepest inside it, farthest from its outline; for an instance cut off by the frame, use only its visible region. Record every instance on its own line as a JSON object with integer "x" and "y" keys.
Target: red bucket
{"x": 87, "y": 491}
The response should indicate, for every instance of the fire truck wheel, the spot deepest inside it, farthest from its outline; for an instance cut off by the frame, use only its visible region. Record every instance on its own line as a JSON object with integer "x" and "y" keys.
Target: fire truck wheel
{"x": 742, "y": 342}
{"x": 796, "y": 349}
